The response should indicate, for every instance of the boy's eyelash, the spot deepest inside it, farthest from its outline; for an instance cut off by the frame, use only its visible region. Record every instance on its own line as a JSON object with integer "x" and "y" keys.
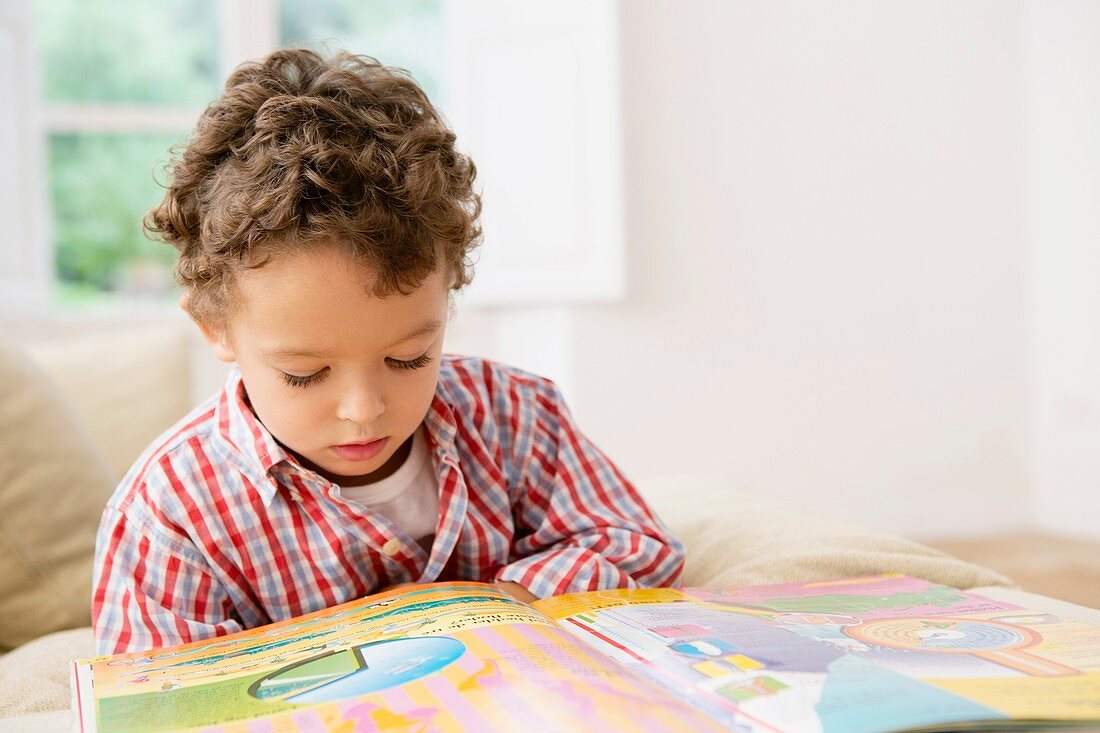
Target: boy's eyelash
{"x": 420, "y": 361}
{"x": 297, "y": 381}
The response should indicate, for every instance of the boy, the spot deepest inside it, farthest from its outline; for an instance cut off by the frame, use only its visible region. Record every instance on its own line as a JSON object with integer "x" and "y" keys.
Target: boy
{"x": 322, "y": 217}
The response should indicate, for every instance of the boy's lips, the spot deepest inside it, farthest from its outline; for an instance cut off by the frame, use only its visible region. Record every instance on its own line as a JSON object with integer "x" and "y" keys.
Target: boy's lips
{"x": 360, "y": 451}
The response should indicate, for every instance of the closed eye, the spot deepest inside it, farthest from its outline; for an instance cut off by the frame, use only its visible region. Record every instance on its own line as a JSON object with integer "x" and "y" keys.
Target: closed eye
{"x": 296, "y": 380}
{"x": 418, "y": 362}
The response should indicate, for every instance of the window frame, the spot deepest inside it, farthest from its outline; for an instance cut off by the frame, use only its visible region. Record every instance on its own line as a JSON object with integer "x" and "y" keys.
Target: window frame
{"x": 24, "y": 246}
{"x": 246, "y": 29}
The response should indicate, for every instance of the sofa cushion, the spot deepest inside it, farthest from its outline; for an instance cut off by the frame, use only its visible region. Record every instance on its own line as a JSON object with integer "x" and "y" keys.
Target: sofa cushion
{"x": 127, "y": 384}
{"x": 35, "y": 677}
{"x": 734, "y": 536}
{"x": 53, "y": 486}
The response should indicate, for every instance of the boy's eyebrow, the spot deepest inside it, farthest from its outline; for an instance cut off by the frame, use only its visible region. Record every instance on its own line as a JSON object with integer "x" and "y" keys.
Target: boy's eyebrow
{"x": 428, "y": 327}
{"x": 425, "y": 328}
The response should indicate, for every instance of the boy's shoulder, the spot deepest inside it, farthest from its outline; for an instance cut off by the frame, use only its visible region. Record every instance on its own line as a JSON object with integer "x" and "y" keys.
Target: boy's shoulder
{"x": 169, "y": 455}
{"x": 501, "y": 403}
{"x": 502, "y": 410}
{"x": 470, "y": 378}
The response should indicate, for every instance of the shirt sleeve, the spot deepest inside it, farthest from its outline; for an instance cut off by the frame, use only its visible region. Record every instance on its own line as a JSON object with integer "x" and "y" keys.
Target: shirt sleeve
{"x": 149, "y": 591}
{"x": 580, "y": 524}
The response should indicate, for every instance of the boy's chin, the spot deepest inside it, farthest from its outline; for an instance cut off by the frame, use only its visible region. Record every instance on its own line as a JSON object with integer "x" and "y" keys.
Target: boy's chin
{"x": 346, "y": 474}
{"x": 357, "y": 473}
{"x": 338, "y": 472}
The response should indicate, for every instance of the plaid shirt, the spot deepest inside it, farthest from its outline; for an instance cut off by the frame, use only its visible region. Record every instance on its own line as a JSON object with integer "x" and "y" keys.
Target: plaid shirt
{"x": 218, "y": 528}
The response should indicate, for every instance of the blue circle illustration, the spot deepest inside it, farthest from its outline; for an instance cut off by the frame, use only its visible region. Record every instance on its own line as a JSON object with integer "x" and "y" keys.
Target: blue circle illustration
{"x": 336, "y": 675}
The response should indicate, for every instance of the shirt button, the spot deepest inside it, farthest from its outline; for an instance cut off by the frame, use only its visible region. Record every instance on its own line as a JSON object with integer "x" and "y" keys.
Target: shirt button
{"x": 392, "y": 547}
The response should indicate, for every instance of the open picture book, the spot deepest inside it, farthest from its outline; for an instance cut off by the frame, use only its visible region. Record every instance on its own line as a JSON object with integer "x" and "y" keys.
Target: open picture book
{"x": 880, "y": 653}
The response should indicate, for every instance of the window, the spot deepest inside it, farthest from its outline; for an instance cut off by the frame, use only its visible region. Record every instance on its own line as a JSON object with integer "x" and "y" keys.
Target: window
{"x": 122, "y": 82}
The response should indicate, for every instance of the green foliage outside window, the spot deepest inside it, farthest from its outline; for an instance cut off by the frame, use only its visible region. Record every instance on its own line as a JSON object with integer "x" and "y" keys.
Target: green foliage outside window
{"x": 128, "y": 51}
{"x": 403, "y": 33}
{"x": 101, "y": 186}
{"x": 122, "y": 52}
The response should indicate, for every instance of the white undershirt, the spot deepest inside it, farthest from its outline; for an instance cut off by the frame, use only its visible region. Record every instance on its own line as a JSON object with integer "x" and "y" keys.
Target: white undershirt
{"x": 409, "y": 497}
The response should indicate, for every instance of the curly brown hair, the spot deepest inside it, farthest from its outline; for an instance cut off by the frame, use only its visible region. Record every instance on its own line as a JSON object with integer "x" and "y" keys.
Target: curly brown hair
{"x": 303, "y": 150}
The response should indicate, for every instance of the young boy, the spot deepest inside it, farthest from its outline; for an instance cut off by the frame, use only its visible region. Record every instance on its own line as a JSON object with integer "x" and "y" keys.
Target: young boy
{"x": 322, "y": 218}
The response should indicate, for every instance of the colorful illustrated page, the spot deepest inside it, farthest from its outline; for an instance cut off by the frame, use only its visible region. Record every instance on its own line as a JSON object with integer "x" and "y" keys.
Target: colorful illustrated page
{"x": 445, "y": 657}
{"x": 866, "y": 654}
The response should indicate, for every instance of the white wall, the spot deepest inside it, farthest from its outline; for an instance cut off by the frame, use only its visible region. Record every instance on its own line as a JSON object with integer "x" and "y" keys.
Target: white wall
{"x": 828, "y": 285}
{"x": 1063, "y": 177}
{"x": 863, "y": 255}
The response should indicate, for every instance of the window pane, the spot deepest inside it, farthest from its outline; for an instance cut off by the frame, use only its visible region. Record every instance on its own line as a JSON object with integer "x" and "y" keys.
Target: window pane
{"x": 163, "y": 52}
{"x": 404, "y": 33}
{"x": 100, "y": 188}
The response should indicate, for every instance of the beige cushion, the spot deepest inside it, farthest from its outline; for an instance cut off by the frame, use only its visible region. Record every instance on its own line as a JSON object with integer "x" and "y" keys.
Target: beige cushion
{"x": 127, "y": 385}
{"x": 53, "y": 486}
{"x": 735, "y": 536}
{"x": 35, "y": 677}
{"x": 56, "y": 721}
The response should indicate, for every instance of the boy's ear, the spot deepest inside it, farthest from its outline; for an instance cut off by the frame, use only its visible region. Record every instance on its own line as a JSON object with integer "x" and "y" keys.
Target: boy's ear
{"x": 216, "y": 335}
{"x": 218, "y": 343}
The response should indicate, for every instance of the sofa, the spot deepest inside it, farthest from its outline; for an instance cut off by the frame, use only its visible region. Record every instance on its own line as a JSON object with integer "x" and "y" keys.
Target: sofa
{"x": 75, "y": 410}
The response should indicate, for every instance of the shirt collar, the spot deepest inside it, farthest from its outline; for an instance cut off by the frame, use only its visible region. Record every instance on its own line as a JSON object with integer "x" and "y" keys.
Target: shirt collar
{"x": 238, "y": 425}
{"x": 442, "y": 426}
{"x": 251, "y": 441}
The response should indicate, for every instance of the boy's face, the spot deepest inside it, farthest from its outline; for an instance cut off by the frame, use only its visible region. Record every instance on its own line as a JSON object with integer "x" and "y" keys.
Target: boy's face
{"x": 338, "y": 376}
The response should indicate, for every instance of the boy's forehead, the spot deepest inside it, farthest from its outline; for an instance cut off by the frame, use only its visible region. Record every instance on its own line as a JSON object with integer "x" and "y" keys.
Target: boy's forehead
{"x": 327, "y": 297}
{"x": 315, "y": 271}
{"x": 285, "y": 352}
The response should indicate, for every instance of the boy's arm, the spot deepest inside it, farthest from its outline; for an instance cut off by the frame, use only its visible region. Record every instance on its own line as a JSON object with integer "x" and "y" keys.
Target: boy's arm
{"x": 150, "y": 592}
{"x": 580, "y": 524}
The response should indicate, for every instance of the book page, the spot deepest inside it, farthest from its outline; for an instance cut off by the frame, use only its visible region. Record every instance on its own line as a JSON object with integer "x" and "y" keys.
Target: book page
{"x": 441, "y": 657}
{"x": 881, "y": 653}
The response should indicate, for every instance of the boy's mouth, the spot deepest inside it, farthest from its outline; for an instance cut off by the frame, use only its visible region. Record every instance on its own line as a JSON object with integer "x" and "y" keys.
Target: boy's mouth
{"x": 355, "y": 452}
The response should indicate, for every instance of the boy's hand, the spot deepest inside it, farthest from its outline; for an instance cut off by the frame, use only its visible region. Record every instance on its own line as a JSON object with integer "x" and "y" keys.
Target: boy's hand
{"x": 515, "y": 590}
{"x": 395, "y": 586}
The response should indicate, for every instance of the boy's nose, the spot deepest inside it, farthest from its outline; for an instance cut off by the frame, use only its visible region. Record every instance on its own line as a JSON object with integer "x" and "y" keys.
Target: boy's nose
{"x": 362, "y": 405}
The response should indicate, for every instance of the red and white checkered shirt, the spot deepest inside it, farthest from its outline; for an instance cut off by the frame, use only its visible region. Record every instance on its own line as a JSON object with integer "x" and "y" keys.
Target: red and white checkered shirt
{"x": 218, "y": 528}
